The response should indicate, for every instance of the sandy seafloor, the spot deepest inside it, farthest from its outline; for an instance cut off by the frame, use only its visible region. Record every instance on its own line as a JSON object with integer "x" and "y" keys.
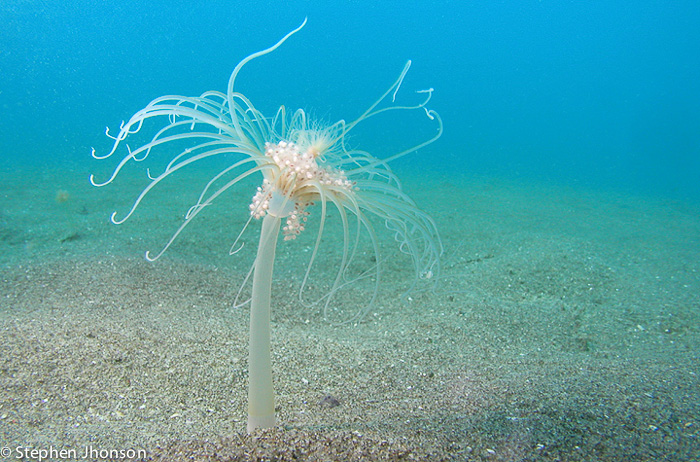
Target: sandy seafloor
{"x": 566, "y": 326}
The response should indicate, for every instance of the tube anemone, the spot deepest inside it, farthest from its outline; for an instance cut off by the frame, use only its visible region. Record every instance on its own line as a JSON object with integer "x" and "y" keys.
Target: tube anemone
{"x": 304, "y": 165}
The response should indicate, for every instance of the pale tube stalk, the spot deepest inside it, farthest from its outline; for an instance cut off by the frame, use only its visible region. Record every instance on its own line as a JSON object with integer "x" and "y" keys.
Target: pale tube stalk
{"x": 261, "y": 401}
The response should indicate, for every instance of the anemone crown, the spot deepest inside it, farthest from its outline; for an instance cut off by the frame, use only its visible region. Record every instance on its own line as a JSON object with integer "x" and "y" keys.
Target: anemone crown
{"x": 293, "y": 185}
{"x": 303, "y": 163}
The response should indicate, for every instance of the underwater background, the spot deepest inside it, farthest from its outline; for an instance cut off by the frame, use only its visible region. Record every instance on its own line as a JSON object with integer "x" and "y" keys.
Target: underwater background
{"x": 596, "y": 93}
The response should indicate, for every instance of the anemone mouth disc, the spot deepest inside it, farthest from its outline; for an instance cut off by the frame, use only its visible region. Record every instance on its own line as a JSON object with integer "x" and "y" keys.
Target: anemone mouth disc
{"x": 280, "y": 206}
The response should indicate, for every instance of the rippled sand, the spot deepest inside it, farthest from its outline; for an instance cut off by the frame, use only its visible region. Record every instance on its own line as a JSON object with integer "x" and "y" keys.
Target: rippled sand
{"x": 565, "y": 327}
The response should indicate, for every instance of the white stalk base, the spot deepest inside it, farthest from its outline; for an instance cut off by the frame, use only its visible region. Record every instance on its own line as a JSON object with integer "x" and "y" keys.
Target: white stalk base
{"x": 261, "y": 400}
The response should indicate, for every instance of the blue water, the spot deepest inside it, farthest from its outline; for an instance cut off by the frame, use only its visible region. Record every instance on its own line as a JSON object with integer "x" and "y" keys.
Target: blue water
{"x": 603, "y": 94}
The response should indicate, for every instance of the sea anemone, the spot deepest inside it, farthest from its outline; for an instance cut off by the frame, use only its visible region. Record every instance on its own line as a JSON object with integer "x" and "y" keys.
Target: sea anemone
{"x": 303, "y": 163}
